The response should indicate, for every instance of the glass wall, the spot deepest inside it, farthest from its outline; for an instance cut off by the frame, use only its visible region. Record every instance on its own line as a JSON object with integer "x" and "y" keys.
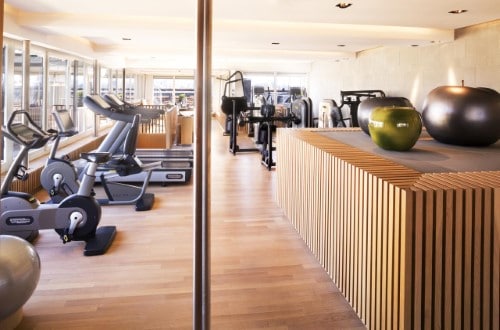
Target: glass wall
{"x": 53, "y": 79}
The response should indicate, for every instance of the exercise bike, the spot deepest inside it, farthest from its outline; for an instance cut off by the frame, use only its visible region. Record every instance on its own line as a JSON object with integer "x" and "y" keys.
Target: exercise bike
{"x": 75, "y": 218}
{"x": 60, "y": 178}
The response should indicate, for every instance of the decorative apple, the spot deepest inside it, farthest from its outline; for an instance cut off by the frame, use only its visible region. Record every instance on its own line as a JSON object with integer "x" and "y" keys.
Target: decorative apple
{"x": 366, "y": 107}
{"x": 395, "y": 128}
{"x": 463, "y": 115}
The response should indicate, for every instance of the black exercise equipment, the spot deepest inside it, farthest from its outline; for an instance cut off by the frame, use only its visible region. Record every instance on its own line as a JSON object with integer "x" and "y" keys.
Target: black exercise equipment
{"x": 60, "y": 177}
{"x": 352, "y": 99}
{"x": 238, "y": 112}
{"x": 75, "y": 218}
{"x": 302, "y": 110}
{"x": 267, "y": 124}
{"x": 168, "y": 165}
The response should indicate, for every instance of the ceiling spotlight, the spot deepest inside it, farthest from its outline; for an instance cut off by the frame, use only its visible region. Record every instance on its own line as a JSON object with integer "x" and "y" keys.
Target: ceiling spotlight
{"x": 414, "y": 45}
{"x": 341, "y": 45}
{"x": 343, "y": 5}
{"x": 275, "y": 43}
{"x": 457, "y": 11}
{"x": 126, "y": 39}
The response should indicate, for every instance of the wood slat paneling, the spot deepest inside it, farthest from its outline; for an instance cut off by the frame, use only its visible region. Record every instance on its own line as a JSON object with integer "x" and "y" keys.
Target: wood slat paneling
{"x": 408, "y": 250}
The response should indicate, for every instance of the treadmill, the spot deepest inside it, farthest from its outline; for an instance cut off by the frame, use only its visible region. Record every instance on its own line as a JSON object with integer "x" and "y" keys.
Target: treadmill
{"x": 164, "y": 171}
{"x": 171, "y": 156}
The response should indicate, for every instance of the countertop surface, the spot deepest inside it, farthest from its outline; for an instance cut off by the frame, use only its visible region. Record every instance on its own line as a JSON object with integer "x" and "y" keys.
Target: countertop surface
{"x": 428, "y": 155}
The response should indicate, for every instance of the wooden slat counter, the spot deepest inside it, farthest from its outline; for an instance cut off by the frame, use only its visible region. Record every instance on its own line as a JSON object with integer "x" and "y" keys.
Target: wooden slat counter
{"x": 409, "y": 249}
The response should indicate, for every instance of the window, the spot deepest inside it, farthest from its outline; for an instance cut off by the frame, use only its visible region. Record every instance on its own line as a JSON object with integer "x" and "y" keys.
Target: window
{"x": 57, "y": 92}
{"x": 174, "y": 90}
{"x": 276, "y": 88}
{"x": 12, "y": 92}
{"x": 163, "y": 91}
{"x": 36, "y": 90}
{"x": 130, "y": 88}
{"x": 105, "y": 81}
{"x": 117, "y": 83}
{"x": 52, "y": 79}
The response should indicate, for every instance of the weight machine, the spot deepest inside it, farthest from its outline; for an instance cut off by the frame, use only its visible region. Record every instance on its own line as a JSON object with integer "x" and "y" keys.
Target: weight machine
{"x": 352, "y": 99}
{"x": 239, "y": 113}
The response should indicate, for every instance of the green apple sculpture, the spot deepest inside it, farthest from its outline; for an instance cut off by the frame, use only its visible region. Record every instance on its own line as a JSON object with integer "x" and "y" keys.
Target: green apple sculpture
{"x": 395, "y": 128}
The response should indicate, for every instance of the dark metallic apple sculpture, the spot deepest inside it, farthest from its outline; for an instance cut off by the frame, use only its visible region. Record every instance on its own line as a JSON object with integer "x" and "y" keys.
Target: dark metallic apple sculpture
{"x": 366, "y": 106}
{"x": 462, "y": 115}
{"x": 395, "y": 128}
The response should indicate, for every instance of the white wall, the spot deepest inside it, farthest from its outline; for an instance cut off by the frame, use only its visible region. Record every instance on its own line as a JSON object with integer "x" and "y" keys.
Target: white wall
{"x": 412, "y": 72}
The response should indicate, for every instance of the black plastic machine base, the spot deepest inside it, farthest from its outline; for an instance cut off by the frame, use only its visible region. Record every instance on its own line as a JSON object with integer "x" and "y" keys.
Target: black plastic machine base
{"x": 100, "y": 243}
{"x": 145, "y": 203}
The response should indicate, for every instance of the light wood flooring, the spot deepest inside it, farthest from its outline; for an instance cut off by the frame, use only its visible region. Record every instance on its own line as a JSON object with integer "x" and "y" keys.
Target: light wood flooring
{"x": 263, "y": 276}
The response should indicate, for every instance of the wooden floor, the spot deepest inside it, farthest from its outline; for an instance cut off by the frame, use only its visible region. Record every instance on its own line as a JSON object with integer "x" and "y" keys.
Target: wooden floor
{"x": 263, "y": 275}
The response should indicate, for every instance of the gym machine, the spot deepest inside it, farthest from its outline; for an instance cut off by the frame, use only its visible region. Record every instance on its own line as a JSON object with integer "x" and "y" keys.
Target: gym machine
{"x": 238, "y": 113}
{"x": 75, "y": 218}
{"x": 352, "y": 99}
{"x": 301, "y": 108}
{"x": 173, "y": 157}
{"x": 266, "y": 121}
{"x": 165, "y": 170}
{"x": 60, "y": 176}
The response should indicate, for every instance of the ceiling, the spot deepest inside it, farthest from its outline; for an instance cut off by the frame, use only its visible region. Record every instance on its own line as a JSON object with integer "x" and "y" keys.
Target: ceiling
{"x": 162, "y": 33}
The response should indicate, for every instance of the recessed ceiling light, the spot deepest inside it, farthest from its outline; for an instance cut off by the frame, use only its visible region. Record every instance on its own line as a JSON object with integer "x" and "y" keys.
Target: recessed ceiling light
{"x": 414, "y": 45}
{"x": 457, "y": 11}
{"x": 126, "y": 39}
{"x": 343, "y": 5}
{"x": 275, "y": 43}
{"x": 341, "y": 45}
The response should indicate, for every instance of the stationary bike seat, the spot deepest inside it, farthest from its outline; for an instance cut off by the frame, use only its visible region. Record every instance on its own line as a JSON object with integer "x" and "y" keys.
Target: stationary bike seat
{"x": 96, "y": 157}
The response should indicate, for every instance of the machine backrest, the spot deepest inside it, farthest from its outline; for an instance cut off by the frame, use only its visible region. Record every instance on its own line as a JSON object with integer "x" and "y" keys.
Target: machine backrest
{"x": 129, "y": 145}
{"x": 239, "y": 103}
{"x": 64, "y": 121}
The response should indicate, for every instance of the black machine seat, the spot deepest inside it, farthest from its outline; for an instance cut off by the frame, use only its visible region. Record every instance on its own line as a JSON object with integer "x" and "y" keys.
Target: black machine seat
{"x": 96, "y": 157}
{"x": 233, "y": 103}
{"x": 127, "y": 163}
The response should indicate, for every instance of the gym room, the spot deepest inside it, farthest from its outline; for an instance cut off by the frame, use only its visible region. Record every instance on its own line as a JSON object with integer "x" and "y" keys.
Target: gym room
{"x": 266, "y": 164}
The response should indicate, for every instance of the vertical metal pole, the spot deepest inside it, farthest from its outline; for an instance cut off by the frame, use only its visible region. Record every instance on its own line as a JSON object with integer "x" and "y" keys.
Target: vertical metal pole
{"x": 3, "y": 110}
{"x": 201, "y": 221}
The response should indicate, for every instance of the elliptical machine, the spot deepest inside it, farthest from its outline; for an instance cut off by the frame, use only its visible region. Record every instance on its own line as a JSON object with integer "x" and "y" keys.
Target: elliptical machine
{"x": 75, "y": 218}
